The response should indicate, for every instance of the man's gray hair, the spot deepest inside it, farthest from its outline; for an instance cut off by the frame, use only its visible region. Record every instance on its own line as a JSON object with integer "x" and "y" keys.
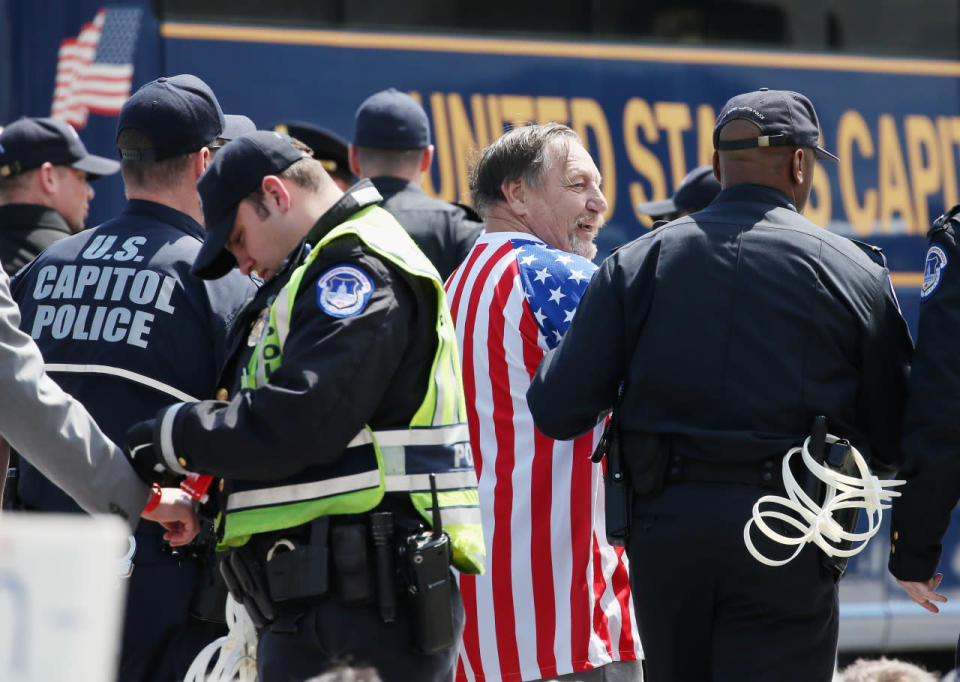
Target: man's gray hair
{"x": 521, "y": 153}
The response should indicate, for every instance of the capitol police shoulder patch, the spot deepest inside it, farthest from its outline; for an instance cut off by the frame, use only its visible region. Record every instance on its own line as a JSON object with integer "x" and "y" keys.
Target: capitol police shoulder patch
{"x": 344, "y": 291}
{"x": 933, "y": 267}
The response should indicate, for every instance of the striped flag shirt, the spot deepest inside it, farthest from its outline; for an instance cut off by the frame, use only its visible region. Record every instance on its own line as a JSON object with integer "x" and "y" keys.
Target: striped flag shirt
{"x": 555, "y": 598}
{"x": 95, "y": 69}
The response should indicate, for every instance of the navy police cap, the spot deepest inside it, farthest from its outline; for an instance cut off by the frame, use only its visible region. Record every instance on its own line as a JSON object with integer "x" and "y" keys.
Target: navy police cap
{"x": 785, "y": 118}
{"x": 696, "y": 190}
{"x": 28, "y": 143}
{"x": 391, "y": 119}
{"x": 236, "y": 125}
{"x": 177, "y": 114}
{"x": 328, "y": 147}
{"x": 236, "y": 172}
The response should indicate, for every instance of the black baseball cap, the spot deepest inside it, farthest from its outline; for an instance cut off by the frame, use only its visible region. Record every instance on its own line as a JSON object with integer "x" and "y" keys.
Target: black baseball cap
{"x": 178, "y": 114}
{"x": 696, "y": 190}
{"x": 330, "y": 149}
{"x": 235, "y": 173}
{"x": 28, "y": 143}
{"x": 785, "y": 118}
{"x": 391, "y": 119}
{"x": 236, "y": 125}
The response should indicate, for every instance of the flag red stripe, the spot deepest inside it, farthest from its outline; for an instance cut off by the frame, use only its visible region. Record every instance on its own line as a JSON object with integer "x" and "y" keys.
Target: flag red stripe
{"x": 501, "y": 553}
{"x": 541, "y": 497}
{"x": 621, "y": 588}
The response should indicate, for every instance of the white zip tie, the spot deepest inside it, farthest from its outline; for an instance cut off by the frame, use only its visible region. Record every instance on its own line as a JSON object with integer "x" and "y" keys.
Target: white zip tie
{"x": 236, "y": 651}
{"x": 814, "y": 523}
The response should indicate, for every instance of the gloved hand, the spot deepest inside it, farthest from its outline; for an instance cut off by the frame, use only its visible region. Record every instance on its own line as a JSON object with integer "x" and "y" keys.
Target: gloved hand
{"x": 143, "y": 450}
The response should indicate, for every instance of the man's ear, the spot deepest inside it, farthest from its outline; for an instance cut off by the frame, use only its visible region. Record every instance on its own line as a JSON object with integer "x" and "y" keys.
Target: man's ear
{"x": 276, "y": 194}
{"x": 426, "y": 159}
{"x": 796, "y": 165}
{"x": 353, "y": 160}
{"x": 201, "y": 159}
{"x": 514, "y": 193}
{"x": 47, "y": 176}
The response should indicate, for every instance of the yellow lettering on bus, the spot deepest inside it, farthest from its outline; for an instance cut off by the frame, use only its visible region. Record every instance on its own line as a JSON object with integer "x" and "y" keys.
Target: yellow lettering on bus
{"x": 706, "y": 119}
{"x": 517, "y": 110}
{"x": 674, "y": 118}
{"x": 552, "y": 110}
{"x": 443, "y": 163}
{"x": 922, "y": 143}
{"x": 464, "y": 138}
{"x": 852, "y": 131}
{"x": 948, "y": 128}
{"x": 894, "y": 186}
{"x": 819, "y": 208}
{"x": 638, "y": 116}
{"x": 494, "y": 117}
{"x": 587, "y": 114}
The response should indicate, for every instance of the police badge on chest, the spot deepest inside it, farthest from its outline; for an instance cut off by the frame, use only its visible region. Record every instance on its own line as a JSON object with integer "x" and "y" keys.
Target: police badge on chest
{"x": 258, "y": 328}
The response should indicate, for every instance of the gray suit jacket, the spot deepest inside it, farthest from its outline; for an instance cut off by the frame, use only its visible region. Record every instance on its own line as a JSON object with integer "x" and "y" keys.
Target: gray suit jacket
{"x": 54, "y": 432}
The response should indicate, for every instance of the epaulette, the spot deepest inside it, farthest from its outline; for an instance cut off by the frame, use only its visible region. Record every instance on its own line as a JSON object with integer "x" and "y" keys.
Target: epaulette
{"x": 470, "y": 211}
{"x": 875, "y": 252}
{"x": 941, "y": 223}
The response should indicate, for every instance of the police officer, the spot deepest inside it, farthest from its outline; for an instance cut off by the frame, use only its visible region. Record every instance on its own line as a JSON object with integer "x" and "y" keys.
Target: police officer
{"x": 54, "y": 431}
{"x": 391, "y": 146}
{"x": 731, "y": 330}
{"x": 126, "y": 328}
{"x": 697, "y": 189}
{"x": 345, "y": 395}
{"x": 45, "y": 192}
{"x": 326, "y": 146}
{"x": 930, "y": 440}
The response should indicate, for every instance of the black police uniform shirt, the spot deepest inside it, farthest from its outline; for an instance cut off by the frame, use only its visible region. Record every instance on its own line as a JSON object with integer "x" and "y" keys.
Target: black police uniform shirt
{"x": 122, "y": 324}
{"x": 931, "y": 434}
{"x": 25, "y": 231}
{"x": 733, "y": 328}
{"x": 337, "y": 374}
{"x": 444, "y": 232}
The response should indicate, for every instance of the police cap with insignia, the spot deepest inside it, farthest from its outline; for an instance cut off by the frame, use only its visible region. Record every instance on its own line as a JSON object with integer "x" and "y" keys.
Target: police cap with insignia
{"x": 785, "y": 118}
{"x": 391, "y": 119}
{"x": 29, "y": 143}
{"x": 696, "y": 190}
{"x": 237, "y": 170}
{"x": 330, "y": 149}
{"x": 177, "y": 114}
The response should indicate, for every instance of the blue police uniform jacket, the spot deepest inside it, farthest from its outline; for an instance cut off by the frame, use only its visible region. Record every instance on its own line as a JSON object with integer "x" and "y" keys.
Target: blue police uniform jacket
{"x": 922, "y": 514}
{"x": 733, "y": 328}
{"x": 122, "y": 324}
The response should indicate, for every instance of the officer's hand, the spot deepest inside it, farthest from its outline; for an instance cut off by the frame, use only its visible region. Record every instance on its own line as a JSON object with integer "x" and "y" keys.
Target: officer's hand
{"x": 924, "y": 593}
{"x": 143, "y": 450}
{"x": 176, "y": 513}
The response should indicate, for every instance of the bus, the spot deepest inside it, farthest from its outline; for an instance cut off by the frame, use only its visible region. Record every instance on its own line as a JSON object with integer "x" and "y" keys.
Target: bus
{"x": 640, "y": 80}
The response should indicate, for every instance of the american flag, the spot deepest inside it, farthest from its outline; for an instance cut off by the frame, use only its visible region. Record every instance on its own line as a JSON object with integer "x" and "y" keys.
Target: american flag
{"x": 556, "y": 597}
{"x": 95, "y": 69}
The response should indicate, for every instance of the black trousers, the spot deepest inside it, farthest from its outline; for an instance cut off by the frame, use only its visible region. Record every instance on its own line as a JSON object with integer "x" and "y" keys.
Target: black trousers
{"x": 308, "y": 640}
{"x": 708, "y": 611}
{"x": 160, "y": 637}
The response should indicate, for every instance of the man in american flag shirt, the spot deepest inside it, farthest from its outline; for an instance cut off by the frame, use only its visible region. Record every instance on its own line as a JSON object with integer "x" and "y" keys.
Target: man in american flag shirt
{"x": 555, "y": 600}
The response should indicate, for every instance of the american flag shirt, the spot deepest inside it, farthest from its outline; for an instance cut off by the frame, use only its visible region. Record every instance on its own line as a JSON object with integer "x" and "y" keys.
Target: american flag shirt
{"x": 555, "y": 597}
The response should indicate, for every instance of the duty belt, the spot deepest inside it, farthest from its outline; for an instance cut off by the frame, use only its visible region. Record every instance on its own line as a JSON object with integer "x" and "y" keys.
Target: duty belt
{"x": 764, "y": 474}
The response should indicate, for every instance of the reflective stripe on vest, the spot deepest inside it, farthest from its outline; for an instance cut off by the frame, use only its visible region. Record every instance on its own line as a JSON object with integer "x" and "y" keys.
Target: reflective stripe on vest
{"x": 436, "y": 442}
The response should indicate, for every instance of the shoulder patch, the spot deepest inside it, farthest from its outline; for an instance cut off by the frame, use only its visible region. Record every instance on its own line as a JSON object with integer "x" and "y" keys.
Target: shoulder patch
{"x": 344, "y": 291}
{"x": 933, "y": 267}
